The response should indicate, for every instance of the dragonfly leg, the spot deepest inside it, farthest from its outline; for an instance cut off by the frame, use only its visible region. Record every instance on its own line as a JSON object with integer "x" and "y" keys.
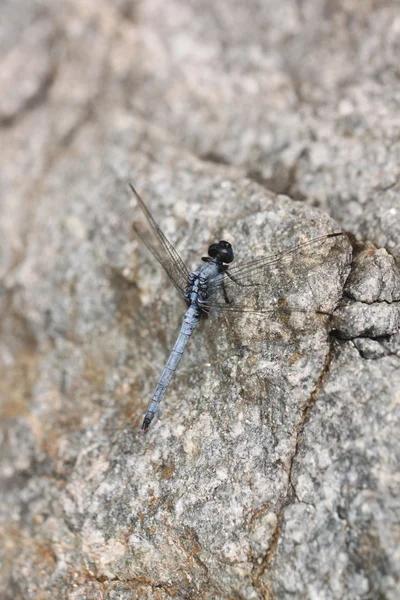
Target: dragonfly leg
{"x": 233, "y": 278}
{"x": 226, "y": 297}
{"x": 204, "y": 307}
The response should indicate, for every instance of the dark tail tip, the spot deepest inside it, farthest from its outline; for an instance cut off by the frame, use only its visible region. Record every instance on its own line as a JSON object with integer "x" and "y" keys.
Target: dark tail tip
{"x": 146, "y": 424}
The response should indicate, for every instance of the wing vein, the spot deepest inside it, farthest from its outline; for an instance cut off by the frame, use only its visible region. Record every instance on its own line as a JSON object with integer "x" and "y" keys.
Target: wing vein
{"x": 176, "y": 269}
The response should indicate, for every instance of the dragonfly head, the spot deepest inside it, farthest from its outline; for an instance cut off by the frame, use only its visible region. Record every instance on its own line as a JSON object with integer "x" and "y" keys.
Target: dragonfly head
{"x": 222, "y": 250}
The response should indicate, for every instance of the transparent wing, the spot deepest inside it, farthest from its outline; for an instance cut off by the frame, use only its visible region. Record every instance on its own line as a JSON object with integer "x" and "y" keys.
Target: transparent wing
{"x": 162, "y": 249}
{"x": 274, "y": 283}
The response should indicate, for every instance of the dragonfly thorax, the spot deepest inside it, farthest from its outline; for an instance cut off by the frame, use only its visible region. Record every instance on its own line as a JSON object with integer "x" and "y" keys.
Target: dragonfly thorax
{"x": 197, "y": 290}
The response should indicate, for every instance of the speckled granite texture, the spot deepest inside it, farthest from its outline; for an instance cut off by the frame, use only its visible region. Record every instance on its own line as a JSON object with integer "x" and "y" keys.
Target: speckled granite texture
{"x": 273, "y": 470}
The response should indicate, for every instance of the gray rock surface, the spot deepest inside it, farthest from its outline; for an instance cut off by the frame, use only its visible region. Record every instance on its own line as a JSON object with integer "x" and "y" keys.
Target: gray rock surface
{"x": 272, "y": 472}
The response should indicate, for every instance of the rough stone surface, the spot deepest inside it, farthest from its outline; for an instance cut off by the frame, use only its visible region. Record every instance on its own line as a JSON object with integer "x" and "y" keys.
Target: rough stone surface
{"x": 272, "y": 471}
{"x": 374, "y": 277}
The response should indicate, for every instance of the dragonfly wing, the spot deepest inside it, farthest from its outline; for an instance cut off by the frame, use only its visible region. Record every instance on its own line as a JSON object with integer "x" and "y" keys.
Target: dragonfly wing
{"x": 160, "y": 247}
{"x": 289, "y": 296}
{"x": 255, "y": 270}
{"x": 282, "y": 282}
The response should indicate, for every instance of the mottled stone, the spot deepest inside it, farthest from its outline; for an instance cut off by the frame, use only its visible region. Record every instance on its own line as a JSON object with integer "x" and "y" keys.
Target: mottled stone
{"x": 272, "y": 471}
{"x": 369, "y": 348}
{"x": 375, "y": 276}
{"x": 354, "y": 319}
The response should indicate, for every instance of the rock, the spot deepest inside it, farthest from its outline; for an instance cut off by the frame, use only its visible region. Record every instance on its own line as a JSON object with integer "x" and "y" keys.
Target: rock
{"x": 369, "y": 348}
{"x": 271, "y": 470}
{"x": 355, "y": 319}
{"x": 374, "y": 277}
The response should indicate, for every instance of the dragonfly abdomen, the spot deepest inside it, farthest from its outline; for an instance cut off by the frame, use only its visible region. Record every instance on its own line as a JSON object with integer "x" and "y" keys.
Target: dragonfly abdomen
{"x": 190, "y": 321}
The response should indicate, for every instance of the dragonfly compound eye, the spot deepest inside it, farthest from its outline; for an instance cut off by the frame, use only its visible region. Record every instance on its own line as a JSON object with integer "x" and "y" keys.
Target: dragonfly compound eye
{"x": 223, "y": 249}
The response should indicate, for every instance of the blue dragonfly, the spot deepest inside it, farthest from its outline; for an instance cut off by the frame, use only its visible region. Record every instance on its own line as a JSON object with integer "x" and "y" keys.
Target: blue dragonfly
{"x": 215, "y": 287}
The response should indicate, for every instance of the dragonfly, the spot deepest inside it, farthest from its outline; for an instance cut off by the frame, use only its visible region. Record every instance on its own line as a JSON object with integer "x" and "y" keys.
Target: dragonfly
{"x": 214, "y": 288}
